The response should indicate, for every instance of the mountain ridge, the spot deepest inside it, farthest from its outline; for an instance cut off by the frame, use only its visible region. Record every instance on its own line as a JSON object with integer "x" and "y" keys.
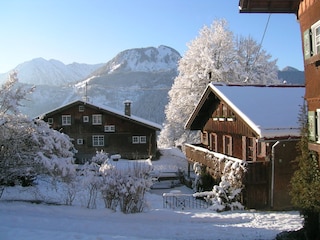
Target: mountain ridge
{"x": 141, "y": 75}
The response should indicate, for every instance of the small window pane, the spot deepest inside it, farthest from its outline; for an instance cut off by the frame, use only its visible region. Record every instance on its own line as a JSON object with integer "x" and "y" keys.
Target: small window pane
{"x": 81, "y": 108}
{"x": 96, "y": 119}
{"x": 143, "y": 139}
{"x": 109, "y": 128}
{"x": 97, "y": 140}
{"x": 66, "y": 120}
{"x": 85, "y": 118}
{"x": 135, "y": 139}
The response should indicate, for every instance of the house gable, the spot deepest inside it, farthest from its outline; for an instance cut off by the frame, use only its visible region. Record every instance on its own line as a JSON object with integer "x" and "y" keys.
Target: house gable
{"x": 93, "y": 128}
{"x": 270, "y": 112}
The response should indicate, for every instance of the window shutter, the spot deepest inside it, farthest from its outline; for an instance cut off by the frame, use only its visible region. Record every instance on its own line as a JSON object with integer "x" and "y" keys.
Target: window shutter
{"x": 317, "y": 126}
{"x": 307, "y": 43}
{"x": 312, "y": 125}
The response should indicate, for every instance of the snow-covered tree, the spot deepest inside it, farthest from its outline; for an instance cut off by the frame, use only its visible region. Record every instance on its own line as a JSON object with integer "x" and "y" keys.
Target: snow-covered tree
{"x": 28, "y": 147}
{"x": 214, "y": 56}
{"x": 15, "y": 133}
{"x": 54, "y": 151}
{"x": 253, "y": 65}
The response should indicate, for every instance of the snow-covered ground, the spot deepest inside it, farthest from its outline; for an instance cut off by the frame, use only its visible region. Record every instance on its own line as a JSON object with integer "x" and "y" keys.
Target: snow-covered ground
{"x": 30, "y": 221}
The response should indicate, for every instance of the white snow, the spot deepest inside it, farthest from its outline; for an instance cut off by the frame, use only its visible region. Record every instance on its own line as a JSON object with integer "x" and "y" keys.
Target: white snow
{"x": 27, "y": 221}
{"x": 270, "y": 111}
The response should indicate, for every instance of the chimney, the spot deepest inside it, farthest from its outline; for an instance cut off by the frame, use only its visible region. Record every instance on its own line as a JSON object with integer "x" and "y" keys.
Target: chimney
{"x": 127, "y": 108}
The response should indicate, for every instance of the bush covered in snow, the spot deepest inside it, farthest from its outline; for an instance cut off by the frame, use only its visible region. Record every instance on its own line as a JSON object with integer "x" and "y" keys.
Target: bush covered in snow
{"x": 125, "y": 188}
{"x": 226, "y": 195}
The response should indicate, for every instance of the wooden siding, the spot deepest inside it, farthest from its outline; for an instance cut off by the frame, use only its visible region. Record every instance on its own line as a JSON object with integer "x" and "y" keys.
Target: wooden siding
{"x": 309, "y": 14}
{"x": 229, "y": 124}
{"x": 258, "y": 178}
{"x": 119, "y": 141}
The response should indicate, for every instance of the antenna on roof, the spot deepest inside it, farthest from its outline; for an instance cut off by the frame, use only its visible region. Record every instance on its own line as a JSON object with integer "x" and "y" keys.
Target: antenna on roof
{"x": 85, "y": 97}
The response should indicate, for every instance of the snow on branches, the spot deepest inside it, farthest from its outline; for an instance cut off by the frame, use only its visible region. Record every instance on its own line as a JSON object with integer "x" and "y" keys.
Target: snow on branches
{"x": 28, "y": 147}
{"x": 216, "y": 55}
{"x": 226, "y": 195}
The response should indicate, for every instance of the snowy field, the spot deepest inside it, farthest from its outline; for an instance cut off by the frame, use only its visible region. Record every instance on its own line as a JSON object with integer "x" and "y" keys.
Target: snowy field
{"x": 30, "y": 221}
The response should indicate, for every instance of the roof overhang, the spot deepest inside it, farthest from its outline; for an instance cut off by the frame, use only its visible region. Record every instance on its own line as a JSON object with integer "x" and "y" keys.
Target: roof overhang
{"x": 269, "y": 6}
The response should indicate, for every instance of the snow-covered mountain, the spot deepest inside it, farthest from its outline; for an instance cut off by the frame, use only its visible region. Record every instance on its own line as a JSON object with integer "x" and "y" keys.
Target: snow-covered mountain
{"x": 142, "y": 60}
{"x": 51, "y": 72}
{"x": 292, "y": 76}
{"x": 143, "y": 76}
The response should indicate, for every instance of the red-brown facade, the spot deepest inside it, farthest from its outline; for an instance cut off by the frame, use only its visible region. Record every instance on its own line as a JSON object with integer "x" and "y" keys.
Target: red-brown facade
{"x": 94, "y": 128}
{"x": 308, "y": 14}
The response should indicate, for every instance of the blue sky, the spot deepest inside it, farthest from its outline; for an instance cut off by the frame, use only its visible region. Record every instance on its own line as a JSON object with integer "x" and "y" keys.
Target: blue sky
{"x": 94, "y": 31}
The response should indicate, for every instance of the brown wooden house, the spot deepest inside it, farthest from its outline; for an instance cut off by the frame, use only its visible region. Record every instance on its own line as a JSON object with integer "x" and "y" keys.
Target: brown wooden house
{"x": 256, "y": 124}
{"x": 308, "y": 15}
{"x": 93, "y": 128}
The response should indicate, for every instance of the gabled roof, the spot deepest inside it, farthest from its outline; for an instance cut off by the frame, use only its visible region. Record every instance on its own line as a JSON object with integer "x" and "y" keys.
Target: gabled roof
{"x": 270, "y": 111}
{"x": 269, "y": 6}
{"x": 109, "y": 110}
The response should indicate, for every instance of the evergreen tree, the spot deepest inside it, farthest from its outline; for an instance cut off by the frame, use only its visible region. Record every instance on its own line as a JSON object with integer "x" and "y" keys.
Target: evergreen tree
{"x": 305, "y": 182}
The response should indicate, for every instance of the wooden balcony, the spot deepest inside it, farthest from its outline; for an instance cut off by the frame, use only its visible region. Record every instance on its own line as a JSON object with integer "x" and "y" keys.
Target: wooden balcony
{"x": 256, "y": 178}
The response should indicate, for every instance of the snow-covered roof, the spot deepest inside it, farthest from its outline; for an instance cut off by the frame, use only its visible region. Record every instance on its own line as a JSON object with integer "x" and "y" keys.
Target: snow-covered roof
{"x": 113, "y": 111}
{"x": 271, "y": 111}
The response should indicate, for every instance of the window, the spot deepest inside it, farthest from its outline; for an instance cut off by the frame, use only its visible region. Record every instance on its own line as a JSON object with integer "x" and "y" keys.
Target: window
{"x": 50, "y": 120}
{"x": 81, "y": 108}
{"x": 261, "y": 149}
{"x": 315, "y": 28}
{"x": 97, "y": 140}
{"x": 307, "y": 43}
{"x": 204, "y": 138}
{"x": 85, "y": 118}
{"x": 139, "y": 139}
{"x": 143, "y": 139}
{"x": 109, "y": 128}
{"x": 96, "y": 119}
{"x": 227, "y": 145}
{"x": 224, "y": 111}
{"x": 135, "y": 139}
{"x": 79, "y": 141}
{"x": 66, "y": 120}
{"x": 213, "y": 142}
{"x": 251, "y": 149}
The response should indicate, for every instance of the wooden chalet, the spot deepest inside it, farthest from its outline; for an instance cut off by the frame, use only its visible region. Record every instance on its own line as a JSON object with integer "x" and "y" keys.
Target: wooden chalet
{"x": 308, "y": 15}
{"x": 255, "y": 124}
{"x": 93, "y": 128}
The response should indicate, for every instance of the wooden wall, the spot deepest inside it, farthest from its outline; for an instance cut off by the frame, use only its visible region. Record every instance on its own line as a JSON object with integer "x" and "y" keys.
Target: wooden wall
{"x": 119, "y": 141}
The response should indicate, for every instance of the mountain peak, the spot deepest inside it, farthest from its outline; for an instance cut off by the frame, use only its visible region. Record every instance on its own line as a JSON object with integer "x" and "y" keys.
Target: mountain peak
{"x": 148, "y": 59}
{"x": 40, "y": 71}
{"x": 289, "y": 69}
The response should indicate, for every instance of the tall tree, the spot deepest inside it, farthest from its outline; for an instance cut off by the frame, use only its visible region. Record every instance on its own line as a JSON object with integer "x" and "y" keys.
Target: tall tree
{"x": 213, "y": 56}
{"x": 253, "y": 64}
